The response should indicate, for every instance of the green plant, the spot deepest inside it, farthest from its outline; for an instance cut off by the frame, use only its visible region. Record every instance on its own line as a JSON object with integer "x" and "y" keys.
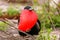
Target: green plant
{"x": 56, "y": 20}
{"x": 45, "y": 35}
{"x": 3, "y": 26}
{"x": 47, "y": 16}
{"x": 12, "y": 12}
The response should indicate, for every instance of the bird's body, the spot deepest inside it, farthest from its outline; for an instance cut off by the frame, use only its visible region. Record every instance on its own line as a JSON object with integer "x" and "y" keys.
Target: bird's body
{"x": 28, "y": 22}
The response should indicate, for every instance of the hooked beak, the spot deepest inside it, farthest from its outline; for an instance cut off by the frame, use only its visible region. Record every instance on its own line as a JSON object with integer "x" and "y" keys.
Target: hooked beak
{"x": 30, "y": 9}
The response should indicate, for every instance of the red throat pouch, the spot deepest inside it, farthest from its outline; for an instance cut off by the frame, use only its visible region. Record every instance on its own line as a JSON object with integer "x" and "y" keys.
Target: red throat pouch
{"x": 27, "y": 20}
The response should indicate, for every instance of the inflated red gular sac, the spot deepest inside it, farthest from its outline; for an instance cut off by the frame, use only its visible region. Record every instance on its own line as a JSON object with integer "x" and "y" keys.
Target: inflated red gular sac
{"x": 28, "y": 22}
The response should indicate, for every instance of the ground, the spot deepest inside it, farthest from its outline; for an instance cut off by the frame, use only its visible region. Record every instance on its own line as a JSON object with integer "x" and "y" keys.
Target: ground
{"x": 12, "y": 33}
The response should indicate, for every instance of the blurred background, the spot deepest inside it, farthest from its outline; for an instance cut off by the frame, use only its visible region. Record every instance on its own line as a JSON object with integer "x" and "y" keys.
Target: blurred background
{"x": 48, "y": 12}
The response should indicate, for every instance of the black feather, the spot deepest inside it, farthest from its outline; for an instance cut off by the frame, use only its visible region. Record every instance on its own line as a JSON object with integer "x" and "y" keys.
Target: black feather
{"x": 27, "y": 7}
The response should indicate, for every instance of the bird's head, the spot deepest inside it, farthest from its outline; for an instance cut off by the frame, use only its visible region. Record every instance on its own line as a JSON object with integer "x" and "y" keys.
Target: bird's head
{"x": 28, "y": 8}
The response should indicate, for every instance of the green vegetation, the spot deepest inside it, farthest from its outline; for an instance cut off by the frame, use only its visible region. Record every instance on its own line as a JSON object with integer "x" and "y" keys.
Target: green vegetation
{"x": 45, "y": 35}
{"x": 45, "y": 16}
{"x": 49, "y": 17}
{"x": 12, "y": 12}
{"x": 3, "y": 26}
